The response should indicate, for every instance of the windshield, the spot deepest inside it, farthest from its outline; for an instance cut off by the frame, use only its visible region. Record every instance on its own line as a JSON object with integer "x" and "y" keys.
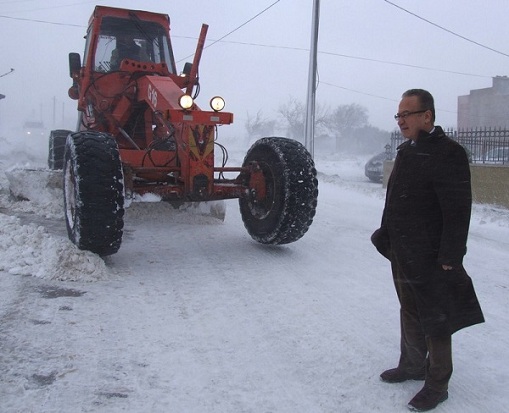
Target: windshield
{"x": 132, "y": 39}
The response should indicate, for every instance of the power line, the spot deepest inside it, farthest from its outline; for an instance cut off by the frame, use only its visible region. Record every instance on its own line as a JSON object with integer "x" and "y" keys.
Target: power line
{"x": 405, "y": 64}
{"x": 302, "y": 49}
{"x": 378, "y": 97}
{"x": 41, "y": 21}
{"x": 243, "y": 24}
{"x": 237, "y": 28}
{"x": 358, "y": 92}
{"x": 447, "y": 30}
{"x": 221, "y": 40}
{"x": 49, "y": 7}
{"x": 14, "y": 1}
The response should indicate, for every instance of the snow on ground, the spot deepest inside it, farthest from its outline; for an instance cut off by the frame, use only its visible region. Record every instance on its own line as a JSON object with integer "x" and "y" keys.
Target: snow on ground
{"x": 191, "y": 315}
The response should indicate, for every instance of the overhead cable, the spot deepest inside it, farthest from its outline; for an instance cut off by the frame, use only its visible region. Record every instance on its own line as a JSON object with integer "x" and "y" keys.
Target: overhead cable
{"x": 41, "y": 21}
{"x": 303, "y": 49}
{"x": 237, "y": 28}
{"x": 243, "y": 24}
{"x": 447, "y": 30}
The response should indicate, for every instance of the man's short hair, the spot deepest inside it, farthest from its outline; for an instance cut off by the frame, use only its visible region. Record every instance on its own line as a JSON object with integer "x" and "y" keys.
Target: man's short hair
{"x": 425, "y": 98}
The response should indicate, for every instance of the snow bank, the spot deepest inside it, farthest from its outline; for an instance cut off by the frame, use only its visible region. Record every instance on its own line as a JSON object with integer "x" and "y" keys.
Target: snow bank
{"x": 41, "y": 189}
{"x": 30, "y": 250}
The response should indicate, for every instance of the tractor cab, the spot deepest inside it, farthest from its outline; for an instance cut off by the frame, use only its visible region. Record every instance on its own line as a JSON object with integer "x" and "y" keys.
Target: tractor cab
{"x": 122, "y": 41}
{"x": 133, "y": 39}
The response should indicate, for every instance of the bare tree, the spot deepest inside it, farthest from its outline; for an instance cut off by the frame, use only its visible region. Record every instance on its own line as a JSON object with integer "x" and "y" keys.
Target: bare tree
{"x": 367, "y": 140}
{"x": 259, "y": 126}
{"x": 344, "y": 119}
{"x": 294, "y": 114}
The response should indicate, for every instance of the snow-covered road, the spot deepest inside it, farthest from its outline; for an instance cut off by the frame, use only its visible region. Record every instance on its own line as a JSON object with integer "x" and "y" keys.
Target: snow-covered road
{"x": 192, "y": 316}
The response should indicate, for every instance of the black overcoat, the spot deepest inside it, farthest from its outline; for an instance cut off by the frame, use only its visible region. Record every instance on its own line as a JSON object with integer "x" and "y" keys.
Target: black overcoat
{"x": 425, "y": 225}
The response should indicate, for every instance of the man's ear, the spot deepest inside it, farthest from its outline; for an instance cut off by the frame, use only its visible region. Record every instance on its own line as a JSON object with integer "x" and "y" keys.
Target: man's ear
{"x": 428, "y": 117}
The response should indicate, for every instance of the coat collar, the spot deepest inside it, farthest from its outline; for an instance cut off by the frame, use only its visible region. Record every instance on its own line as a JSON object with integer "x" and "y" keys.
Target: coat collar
{"x": 438, "y": 132}
{"x": 423, "y": 137}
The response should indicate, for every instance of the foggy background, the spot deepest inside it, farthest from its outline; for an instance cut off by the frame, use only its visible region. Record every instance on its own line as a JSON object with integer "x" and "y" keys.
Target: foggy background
{"x": 369, "y": 52}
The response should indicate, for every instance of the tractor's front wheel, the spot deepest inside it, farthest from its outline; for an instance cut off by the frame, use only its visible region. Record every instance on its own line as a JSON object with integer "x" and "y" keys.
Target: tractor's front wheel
{"x": 93, "y": 192}
{"x": 281, "y": 209}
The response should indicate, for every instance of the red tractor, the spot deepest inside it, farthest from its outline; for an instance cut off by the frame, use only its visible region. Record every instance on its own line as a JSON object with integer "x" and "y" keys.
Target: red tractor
{"x": 140, "y": 132}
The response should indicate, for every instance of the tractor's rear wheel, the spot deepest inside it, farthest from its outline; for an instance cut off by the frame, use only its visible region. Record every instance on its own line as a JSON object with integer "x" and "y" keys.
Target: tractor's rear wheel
{"x": 286, "y": 210}
{"x": 56, "y": 148}
{"x": 93, "y": 192}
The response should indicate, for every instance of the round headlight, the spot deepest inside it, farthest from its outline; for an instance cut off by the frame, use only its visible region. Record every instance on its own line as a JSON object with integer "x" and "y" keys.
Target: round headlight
{"x": 217, "y": 103}
{"x": 186, "y": 102}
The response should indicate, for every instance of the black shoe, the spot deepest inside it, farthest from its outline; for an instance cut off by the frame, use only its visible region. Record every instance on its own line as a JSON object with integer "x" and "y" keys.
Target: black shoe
{"x": 397, "y": 376}
{"x": 427, "y": 399}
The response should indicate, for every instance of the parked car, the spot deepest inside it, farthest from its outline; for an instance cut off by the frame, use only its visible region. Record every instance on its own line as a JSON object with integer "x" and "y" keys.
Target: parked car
{"x": 497, "y": 156}
{"x": 374, "y": 168}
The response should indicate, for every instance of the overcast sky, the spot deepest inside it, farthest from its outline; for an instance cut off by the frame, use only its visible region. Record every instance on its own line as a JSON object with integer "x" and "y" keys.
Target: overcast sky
{"x": 369, "y": 52}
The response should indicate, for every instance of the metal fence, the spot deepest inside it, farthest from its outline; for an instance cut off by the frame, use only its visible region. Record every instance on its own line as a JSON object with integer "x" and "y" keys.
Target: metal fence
{"x": 487, "y": 145}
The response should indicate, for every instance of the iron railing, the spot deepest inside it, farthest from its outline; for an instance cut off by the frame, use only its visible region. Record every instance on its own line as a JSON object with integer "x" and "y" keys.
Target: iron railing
{"x": 483, "y": 145}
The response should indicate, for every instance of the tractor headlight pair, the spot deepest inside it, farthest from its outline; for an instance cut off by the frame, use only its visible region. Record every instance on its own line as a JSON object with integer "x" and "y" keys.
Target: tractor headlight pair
{"x": 216, "y": 103}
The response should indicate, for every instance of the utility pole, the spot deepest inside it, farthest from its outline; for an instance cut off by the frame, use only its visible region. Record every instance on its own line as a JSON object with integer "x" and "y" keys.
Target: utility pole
{"x": 54, "y": 109}
{"x": 311, "y": 95}
{"x": 2, "y": 75}
{"x": 1, "y": 97}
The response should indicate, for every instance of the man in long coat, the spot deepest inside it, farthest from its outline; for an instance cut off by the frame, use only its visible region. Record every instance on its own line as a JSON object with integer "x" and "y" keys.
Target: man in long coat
{"x": 424, "y": 234}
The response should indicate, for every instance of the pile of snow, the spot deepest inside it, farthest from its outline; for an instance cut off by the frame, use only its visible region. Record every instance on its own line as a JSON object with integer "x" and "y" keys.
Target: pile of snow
{"x": 41, "y": 188}
{"x": 30, "y": 250}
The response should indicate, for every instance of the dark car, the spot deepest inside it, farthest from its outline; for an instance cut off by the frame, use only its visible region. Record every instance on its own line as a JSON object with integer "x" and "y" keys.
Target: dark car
{"x": 497, "y": 156}
{"x": 374, "y": 168}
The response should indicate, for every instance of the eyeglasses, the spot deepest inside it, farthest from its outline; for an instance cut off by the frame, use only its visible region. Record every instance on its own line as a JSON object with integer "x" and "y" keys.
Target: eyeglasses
{"x": 404, "y": 115}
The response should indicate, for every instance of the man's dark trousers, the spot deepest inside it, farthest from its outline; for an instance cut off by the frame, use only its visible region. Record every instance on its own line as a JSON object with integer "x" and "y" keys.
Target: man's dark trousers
{"x": 420, "y": 352}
